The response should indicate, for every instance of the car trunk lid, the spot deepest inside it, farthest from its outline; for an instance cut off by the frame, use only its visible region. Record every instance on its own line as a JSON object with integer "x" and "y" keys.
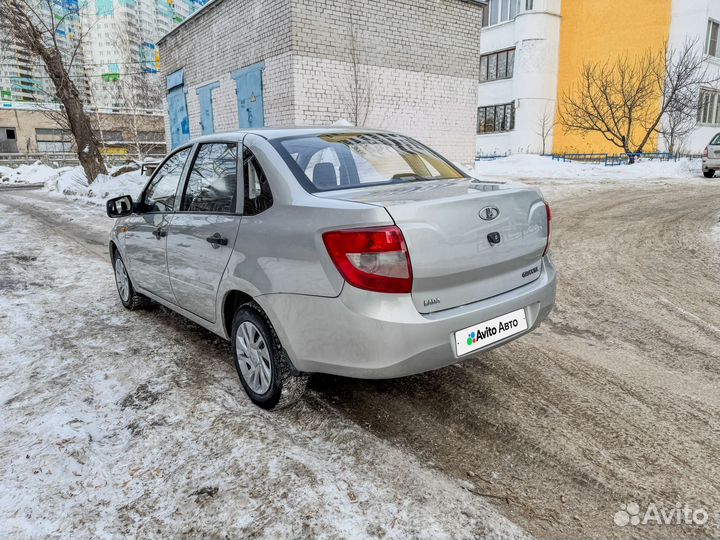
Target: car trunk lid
{"x": 468, "y": 240}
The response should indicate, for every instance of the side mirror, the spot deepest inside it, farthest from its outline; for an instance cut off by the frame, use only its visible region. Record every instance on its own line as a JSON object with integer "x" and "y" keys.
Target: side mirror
{"x": 119, "y": 206}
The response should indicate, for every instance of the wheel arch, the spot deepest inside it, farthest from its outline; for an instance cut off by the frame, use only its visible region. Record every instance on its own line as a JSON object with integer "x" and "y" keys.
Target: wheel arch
{"x": 112, "y": 249}
{"x": 232, "y": 300}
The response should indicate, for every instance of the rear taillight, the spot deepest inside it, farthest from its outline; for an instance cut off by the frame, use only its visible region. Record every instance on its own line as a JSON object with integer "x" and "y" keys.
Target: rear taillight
{"x": 549, "y": 218}
{"x": 374, "y": 259}
{"x": 705, "y": 152}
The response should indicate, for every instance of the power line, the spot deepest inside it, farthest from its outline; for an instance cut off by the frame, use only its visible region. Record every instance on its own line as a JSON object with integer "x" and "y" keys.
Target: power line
{"x": 80, "y": 76}
{"x": 86, "y": 64}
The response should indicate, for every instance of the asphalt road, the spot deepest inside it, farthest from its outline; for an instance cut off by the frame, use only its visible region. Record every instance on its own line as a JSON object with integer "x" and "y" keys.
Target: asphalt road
{"x": 614, "y": 400}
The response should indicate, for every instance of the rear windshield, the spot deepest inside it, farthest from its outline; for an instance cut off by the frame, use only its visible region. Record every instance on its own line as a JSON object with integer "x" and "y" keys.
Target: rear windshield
{"x": 716, "y": 140}
{"x": 345, "y": 160}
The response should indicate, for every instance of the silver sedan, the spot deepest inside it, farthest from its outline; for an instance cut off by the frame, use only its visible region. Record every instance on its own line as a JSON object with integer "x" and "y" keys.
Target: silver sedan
{"x": 345, "y": 251}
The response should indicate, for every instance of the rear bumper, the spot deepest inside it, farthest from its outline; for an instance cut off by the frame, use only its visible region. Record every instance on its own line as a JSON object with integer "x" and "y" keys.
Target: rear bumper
{"x": 377, "y": 336}
{"x": 710, "y": 163}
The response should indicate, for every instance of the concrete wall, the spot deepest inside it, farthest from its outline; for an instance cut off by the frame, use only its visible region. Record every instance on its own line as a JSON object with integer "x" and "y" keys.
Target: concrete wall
{"x": 25, "y": 123}
{"x": 418, "y": 63}
{"x": 26, "y": 120}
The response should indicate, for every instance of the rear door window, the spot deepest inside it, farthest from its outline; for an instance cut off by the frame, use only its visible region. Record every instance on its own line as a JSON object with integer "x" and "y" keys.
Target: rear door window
{"x": 716, "y": 140}
{"x": 212, "y": 182}
{"x": 258, "y": 196}
{"x": 160, "y": 193}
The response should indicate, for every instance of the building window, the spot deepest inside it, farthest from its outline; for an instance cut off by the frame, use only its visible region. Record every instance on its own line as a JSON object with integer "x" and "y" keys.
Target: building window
{"x": 711, "y": 45}
{"x": 497, "y": 65}
{"x": 496, "y": 118}
{"x": 709, "y": 108}
{"x": 498, "y": 11}
{"x": 53, "y": 140}
{"x": 152, "y": 136}
{"x": 107, "y": 136}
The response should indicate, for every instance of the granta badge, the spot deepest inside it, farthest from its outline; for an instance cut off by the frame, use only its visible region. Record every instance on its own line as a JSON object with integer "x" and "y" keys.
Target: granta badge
{"x": 489, "y": 213}
{"x": 431, "y": 302}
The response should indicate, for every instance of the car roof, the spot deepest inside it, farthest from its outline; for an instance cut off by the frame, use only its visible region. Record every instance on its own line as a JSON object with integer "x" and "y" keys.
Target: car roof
{"x": 280, "y": 132}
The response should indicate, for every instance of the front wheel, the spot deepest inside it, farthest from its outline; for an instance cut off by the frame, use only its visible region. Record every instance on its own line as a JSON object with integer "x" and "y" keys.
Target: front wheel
{"x": 130, "y": 298}
{"x": 262, "y": 363}
{"x": 709, "y": 173}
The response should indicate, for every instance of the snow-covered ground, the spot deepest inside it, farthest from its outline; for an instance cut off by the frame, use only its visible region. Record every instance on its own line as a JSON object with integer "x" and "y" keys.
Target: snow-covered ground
{"x": 121, "y": 424}
{"x": 557, "y": 178}
{"x": 533, "y": 167}
{"x": 133, "y": 424}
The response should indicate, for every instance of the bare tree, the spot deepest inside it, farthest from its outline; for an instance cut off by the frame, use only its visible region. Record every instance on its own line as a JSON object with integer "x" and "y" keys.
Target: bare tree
{"x": 545, "y": 126}
{"x": 357, "y": 92}
{"x": 677, "y": 124}
{"x": 136, "y": 92}
{"x": 136, "y": 95}
{"x": 625, "y": 100}
{"x": 34, "y": 26}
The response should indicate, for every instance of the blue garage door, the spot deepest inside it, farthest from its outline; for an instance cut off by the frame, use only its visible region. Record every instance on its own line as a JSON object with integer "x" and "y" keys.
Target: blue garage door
{"x": 207, "y": 122}
{"x": 249, "y": 90}
{"x": 177, "y": 109}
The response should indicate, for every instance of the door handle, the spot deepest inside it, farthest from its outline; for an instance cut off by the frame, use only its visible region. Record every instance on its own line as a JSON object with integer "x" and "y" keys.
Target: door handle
{"x": 217, "y": 240}
{"x": 159, "y": 233}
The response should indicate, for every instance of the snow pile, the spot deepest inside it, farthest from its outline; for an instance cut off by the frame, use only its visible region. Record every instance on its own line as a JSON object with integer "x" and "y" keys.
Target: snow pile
{"x": 37, "y": 173}
{"x": 343, "y": 122}
{"x": 73, "y": 183}
{"x": 527, "y": 167}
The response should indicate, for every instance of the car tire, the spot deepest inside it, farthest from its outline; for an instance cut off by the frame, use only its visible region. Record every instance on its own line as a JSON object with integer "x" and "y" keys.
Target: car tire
{"x": 709, "y": 173}
{"x": 129, "y": 297}
{"x": 263, "y": 365}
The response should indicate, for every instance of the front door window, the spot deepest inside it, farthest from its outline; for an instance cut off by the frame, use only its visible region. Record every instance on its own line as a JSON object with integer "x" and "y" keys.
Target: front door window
{"x": 160, "y": 193}
{"x": 212, "y": 184}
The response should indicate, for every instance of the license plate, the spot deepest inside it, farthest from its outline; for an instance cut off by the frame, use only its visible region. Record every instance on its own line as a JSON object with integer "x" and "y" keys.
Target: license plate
{"x": 486, "y": 333}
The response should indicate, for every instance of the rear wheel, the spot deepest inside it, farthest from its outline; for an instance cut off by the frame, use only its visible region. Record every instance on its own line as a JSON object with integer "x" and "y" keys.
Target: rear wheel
{"x": 262, "y": 364}
{"x": 709, "y": 173}
{"x": 131, "y": 299}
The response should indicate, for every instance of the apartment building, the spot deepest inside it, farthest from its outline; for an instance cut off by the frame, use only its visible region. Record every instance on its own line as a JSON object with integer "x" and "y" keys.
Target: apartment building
{"x": 532, "y": 52}
{"x": 699, "y": 22}
{"x": 22, "y": 78}
{"x": 116, "y": 68}
{"x": 118, "y": 40}
{"x": 519, "y": 49}
{"x": 121, "y": 58}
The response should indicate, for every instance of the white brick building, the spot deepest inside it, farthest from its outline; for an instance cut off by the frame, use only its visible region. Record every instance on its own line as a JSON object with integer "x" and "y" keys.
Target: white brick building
{"x": 401, "y": 65}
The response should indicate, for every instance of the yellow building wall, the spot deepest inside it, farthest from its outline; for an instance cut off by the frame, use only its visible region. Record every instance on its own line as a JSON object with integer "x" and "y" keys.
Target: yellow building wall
{"x": 600, "y": 30}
